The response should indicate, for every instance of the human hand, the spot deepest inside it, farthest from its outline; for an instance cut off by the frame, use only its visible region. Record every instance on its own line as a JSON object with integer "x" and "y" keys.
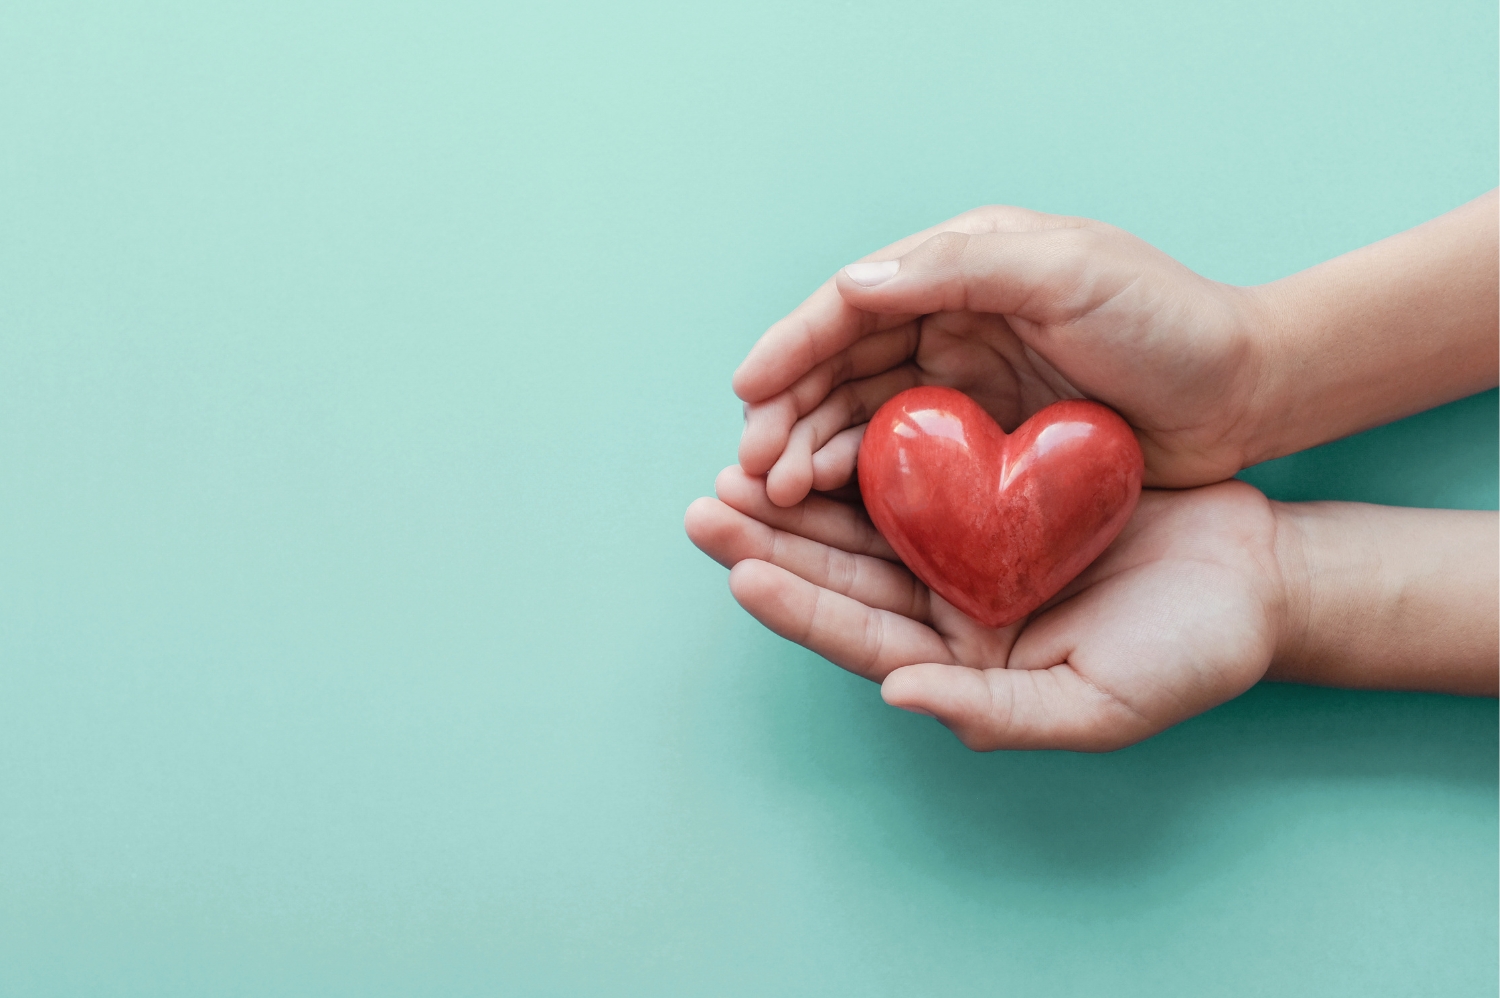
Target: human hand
{"x": 1016, "y": 309}
{"x": 1181, "y": 613}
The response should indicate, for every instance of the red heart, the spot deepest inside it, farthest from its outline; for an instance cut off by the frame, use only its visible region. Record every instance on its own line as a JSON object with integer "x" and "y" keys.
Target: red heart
{"x": 997, "y": 523}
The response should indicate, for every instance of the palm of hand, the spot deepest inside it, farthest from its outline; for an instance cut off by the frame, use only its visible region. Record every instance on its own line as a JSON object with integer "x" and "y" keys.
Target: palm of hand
{"x": 1180, "y": 614}
{"x": 981, "y": 356}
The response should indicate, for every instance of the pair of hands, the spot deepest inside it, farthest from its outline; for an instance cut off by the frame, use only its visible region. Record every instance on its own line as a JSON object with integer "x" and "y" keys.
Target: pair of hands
{"x": 1017, "y": 309}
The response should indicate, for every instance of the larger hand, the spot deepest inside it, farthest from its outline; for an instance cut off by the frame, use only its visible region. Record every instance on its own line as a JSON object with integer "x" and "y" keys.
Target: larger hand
{"x": 1183, "y": 612}
{"x": 1016, "y": 309}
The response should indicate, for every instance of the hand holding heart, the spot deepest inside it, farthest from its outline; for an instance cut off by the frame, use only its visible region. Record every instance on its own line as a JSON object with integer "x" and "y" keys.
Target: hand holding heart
{"x": 1202, "y": 591}
{"x": 1181, "y": 613}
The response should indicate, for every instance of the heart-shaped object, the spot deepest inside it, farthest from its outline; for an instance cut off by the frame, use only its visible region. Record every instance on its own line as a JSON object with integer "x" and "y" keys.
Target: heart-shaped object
{"x": 997, "y": 523}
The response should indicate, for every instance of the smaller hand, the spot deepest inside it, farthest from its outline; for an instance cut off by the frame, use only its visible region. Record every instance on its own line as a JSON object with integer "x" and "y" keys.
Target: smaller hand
{"x": 1181, "y": 613}
{"x": 1016, "y": 309}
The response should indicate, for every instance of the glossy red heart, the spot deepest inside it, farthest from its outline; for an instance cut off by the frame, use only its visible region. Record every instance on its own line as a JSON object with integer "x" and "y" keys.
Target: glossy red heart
{"x": 997, "y": 523}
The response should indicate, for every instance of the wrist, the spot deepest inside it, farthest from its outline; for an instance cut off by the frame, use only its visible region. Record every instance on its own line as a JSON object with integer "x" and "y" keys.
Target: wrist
{"x": 1274, "y": 373}
{"x": 1293, "y": 556}
{"x": 1380, "y": 597}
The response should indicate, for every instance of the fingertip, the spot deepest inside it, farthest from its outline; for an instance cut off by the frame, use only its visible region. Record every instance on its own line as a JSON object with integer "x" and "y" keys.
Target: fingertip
{"x": 744, "y": 380}
{"x": 710, "y": 526}
{"x": 752, "y": 582}
{"x": 900, "y": 696}
{"x": 697, "y": 512}
{"x": 704, "y": 513}
{"x": 907, "y": 688}
{"x": 835, "y": 463}
{"x": 739, "y": 490}
{"x": 762, "y": 373}
{"x": 789, "y": 482}
{"x": 755, "y": 457}
{"x": 828, "y": 477}
{"x": 768, "y": 426}
{"x": 728, "y": 479}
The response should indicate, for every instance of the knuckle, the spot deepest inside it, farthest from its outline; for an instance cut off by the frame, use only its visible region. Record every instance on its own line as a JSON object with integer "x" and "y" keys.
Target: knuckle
{"x": 946, "y": 246}
{"x": 836, "y": 571}
{"x": 990, "y": 217}
{"x": 771, "y": 546}
{"x": 920, "y": 602}
{"x": 873, "y": 644}
{"x": 1079, "y": 242}
{"x": 813, "y": 620}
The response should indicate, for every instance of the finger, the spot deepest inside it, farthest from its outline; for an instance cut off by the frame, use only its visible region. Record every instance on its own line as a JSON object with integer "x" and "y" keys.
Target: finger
{"x": 992, "y": 709}
{"x": 835, "y": 463}
{"x": 833, "y": 523}
{"x": 769, "y": 423}
{"x": 791, "y": 477}
{"x": 730, "y": 537}
{"x": 868, "y": 642}
{"x": 1047, "y": 276}
{"x": 826, "y": 322}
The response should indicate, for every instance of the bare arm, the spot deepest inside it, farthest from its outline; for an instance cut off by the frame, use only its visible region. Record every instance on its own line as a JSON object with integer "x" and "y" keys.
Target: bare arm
{"x": 1383, "y": 332}
{"x": 1380, "y": 597}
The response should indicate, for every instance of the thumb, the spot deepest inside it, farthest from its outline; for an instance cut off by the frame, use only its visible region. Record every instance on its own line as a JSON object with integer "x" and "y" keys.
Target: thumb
{"x": 1047, "y": 275}
{"x": 992, "y": 709}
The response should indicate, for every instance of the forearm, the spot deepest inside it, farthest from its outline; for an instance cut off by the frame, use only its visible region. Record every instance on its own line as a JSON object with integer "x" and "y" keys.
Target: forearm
{"x": 1380, "y": 597}
{"x": 1386, "y": 331}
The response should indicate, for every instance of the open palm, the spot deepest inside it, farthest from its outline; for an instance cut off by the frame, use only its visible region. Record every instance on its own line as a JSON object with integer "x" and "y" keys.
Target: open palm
{"x": 1181, "y": 613}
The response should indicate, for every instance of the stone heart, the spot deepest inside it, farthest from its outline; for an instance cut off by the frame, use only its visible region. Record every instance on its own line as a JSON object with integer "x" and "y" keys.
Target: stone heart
{"x": 997, "y": 523}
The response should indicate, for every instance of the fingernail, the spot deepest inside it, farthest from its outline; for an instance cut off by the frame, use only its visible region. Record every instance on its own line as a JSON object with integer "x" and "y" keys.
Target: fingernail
{"x": 917, "y": 710}
{"x": 870, "y": 274}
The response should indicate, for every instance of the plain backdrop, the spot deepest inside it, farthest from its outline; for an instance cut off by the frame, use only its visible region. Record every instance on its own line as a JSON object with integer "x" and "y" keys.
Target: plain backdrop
{"x": 357, "y": 362}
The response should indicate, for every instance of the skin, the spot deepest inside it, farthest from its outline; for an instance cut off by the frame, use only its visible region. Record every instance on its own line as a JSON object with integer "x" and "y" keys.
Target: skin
{"x": 1178, "y": 615}
{"x": 1208, "y": 590}
{"x": 1387, "y": 598}
{"x": 1018, "y": 309}
{"x": 1205, "y": 593}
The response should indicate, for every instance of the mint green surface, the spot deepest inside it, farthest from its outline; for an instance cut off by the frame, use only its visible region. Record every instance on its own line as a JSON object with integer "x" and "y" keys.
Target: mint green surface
{"x": 357, "y": 363}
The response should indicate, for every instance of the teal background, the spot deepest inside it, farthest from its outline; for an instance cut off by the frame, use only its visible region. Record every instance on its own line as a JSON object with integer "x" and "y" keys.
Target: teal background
{"x": 357, "y": 363}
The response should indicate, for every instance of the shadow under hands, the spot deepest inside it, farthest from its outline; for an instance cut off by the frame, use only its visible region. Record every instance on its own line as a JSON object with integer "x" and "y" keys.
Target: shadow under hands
{"x": 1172, "y": 806}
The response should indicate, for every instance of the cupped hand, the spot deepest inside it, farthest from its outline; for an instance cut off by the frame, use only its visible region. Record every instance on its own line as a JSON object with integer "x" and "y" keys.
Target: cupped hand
{"x": 1017, "y": 309}
{"x": 1181, "y": 613}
